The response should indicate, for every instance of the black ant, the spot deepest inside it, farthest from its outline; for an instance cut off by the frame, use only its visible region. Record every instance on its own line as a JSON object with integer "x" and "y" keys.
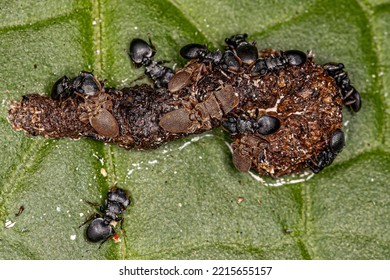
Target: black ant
{"x": 102, "y": 228}
{"x": 351, "y": 97}
{"x": 85, "y": 84}
{"x": 141, "y": 53}
{"x": 326, "y": 157}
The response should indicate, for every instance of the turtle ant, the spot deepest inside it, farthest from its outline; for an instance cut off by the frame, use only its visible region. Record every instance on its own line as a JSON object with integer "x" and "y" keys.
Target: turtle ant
{"x": 97, "y": 104}
{"x": 327, "y": 156}
{"x": 239, "y": 125}
{"x": 102, "y": 227}
{"x": 85, "y": 83}
{"x": 141, "y": 53}
{"x": 351, "y": 97}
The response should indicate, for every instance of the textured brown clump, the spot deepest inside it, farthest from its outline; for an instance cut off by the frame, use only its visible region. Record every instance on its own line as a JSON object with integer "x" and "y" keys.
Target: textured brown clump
{"x": 309, "y": 106}
{"x": 305, "y": 99}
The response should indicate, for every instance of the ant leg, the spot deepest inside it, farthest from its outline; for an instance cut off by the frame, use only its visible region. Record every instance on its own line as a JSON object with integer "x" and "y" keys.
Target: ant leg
{"x": 122, "y": 220}
{"x": 314, "y": 167}
{"x": 92, "y": 203}
{"x": 90, "y": 218}
{"x": 21, "y": 209}
{"x": 107, "y": 238}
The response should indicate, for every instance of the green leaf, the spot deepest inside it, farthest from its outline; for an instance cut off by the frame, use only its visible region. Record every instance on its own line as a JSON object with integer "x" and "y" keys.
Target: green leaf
{"x": 185, "y": 195}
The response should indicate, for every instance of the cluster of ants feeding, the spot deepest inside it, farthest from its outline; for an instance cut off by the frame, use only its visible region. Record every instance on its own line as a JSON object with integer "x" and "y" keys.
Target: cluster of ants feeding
{"x": 282, "y": 111}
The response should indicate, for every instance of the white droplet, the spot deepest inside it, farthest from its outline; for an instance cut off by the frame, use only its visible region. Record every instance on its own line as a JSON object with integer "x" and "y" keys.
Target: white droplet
{"x": 103, "y": 172}
{"x": 9, "y": 224}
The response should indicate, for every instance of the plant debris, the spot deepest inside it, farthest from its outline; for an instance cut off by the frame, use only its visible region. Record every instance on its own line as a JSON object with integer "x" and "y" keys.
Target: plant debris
{"x": 282, "y": 110}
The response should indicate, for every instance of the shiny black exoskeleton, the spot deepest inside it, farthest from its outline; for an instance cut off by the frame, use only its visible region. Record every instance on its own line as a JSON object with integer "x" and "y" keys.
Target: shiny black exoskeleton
{"x": 192, "y": 51}
{"x": 197, "y": 51}
{"x": 61, "y": 89}
{"x": 265, "y": 125}
{"x": 239, "y": 52}
{"x": 326, "y": 157}
{"x": 141, "y": 53}
{"x": 233, "y": 42}
{"x": 271, "y": 63}
{"x": 351, "y": 97}
{"x": 102, "y": 227}
{"x": 84, "y": 83}
{"x": 238, "y": 125}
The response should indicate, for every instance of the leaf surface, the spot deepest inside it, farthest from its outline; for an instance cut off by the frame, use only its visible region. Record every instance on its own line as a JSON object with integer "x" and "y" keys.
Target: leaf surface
{"x": 187, "y": 195}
